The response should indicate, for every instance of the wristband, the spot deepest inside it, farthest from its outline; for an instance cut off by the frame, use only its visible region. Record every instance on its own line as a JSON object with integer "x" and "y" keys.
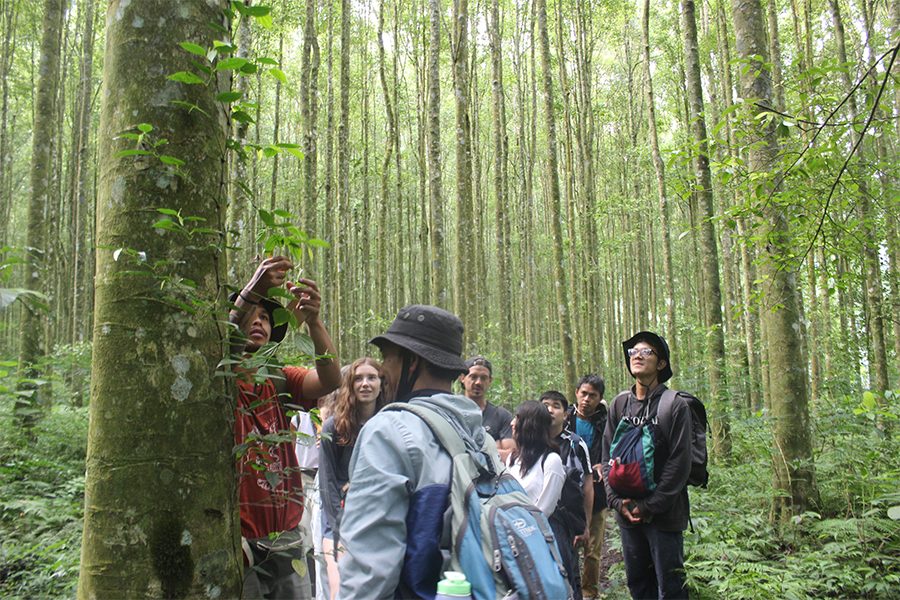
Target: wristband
{"x": 245, "y": 299}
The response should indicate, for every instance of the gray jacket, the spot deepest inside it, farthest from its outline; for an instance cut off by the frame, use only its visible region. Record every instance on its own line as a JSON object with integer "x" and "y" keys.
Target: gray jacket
{"x": 399, "y": 490}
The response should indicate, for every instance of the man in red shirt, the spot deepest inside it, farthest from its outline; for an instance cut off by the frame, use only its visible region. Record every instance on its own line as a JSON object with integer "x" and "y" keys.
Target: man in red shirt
{"x": 270, "y": 489}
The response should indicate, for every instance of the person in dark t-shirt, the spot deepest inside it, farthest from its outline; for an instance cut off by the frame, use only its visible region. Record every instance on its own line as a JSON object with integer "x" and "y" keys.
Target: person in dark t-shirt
{"x": 496, "y": 419}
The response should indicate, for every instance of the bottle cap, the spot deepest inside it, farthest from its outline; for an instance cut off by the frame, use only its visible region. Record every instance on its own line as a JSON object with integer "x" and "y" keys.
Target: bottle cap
{"x": 454, "y": 584}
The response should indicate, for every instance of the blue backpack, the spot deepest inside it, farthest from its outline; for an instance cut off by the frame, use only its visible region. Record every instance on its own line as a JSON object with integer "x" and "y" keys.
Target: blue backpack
{"x": 498, "y": 538}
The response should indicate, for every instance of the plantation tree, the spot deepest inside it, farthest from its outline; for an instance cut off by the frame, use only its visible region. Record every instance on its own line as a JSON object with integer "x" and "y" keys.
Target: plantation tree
{"x": 42, "y": 178}
{"x": 794, "y": 473}
{"x": 439, "y": 294}
{"x": 160, "y": 516}
{"x": 553, "y": 199}
{"x": 659, "y": 169}
{"x": 465, "y": 223}
{"x": 715, "y": 336}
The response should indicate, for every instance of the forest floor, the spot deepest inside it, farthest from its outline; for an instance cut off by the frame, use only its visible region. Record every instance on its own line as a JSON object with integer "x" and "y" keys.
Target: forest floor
{"x": 848, "y": 546}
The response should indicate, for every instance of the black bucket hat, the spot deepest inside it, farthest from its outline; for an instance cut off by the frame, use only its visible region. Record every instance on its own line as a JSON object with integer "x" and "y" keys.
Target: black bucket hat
{"x": 430, "y": 332}
{"x": 279, "y": 331}
{"x": 659, "y": 344}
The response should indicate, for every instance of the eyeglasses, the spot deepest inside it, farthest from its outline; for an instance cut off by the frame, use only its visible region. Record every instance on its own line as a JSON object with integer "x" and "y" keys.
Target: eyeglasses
{"x": 642, "y": 352}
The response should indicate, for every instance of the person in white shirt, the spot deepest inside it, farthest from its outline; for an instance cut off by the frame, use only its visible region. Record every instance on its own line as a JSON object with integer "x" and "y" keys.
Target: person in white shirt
{"x": 535, "y": 462}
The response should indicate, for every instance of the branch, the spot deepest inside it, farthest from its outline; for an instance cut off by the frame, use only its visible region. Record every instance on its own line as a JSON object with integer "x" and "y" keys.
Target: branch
{"x": 856, "y": 145}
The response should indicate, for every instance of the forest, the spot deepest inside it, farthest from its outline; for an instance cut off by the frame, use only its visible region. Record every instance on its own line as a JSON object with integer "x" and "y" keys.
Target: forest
{"x": 558, "y": 173}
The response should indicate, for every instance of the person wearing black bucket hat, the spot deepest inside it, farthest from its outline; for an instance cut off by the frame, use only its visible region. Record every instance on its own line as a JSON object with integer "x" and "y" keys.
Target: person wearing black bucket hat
{"x": 400, "y": 474}
{"x": 270, "y": 489}
{"x": 652, "y": 526}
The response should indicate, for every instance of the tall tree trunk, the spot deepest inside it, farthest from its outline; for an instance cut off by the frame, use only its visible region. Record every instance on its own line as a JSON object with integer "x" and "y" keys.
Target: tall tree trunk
{"x": 794, "y": 479}
{"x": 276, "y": 128}
{"x": 9, "y": 16}
{"x": 161, "y": 515}
{"x": 559, "y": 269}
{"x": 241, "y": 193}
{"x": 501, "y": 190}
{"x": 659, "y": 168}
{"x": 33, "y": 323}
{"x": 439, "y": 292}
{"x": 343, "y": 204}
{"x": 715, "y": 338}
{"x": 82, "y": 203}
{"x": 874, "y": 293}
{"x": 465, "y": 246}
{"x": 309, "y": 113}
{"x": 384, "y": 239}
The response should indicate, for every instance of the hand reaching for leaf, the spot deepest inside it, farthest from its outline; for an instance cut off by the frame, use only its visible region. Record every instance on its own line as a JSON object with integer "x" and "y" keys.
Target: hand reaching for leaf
{"x": 307, "y": 300}
{"x": 270, "y": 273}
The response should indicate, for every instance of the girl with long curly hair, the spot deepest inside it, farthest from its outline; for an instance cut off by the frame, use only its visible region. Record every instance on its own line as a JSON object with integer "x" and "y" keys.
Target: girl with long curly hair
{"x": 535, "y": 462}
{"x": 360, "y": 396}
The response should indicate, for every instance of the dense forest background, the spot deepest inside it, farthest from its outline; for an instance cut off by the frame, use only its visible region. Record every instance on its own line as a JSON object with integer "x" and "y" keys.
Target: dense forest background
{"x": 559, "y": 173}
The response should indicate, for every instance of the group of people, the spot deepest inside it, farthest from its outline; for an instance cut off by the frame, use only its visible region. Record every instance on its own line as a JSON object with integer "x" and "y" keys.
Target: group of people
{"x": 383, "y": 479}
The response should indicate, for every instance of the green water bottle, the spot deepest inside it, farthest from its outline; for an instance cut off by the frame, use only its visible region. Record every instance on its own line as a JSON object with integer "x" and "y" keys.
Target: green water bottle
{"x": 453, "y": 587}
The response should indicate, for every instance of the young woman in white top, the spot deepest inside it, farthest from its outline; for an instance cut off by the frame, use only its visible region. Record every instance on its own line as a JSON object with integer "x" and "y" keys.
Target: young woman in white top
{"x": 535, "y": 462}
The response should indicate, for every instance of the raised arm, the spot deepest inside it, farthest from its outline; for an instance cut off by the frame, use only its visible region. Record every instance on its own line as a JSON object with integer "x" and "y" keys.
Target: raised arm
{"x": 306, "y": 305}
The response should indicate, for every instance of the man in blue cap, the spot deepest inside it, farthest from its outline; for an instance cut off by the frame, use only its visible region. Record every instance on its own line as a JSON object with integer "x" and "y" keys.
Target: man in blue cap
{"x": 400, "y": 474}
{"x": 652, "y": 527}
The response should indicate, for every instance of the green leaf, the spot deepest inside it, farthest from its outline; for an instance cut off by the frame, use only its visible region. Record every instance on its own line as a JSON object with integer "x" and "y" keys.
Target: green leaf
{"x": 167, "y": 211}
{"x": 242, "y": 117}
{"x": 267, "y": 218}
{"x": 229, "y": 96}
{"x": 185, "y": 77}
{"x": 316, "y": 242}
{"x": 232, "y": 63}
{"x": 132, "y": 152}
{"x": 190, "y": 106}
{"x": 165, "y": 224}
{"x": 258, "y": 11}
{"x": 145, "y": 127}
{"x": 278, "y": 74}
{"x": 248, "y": 69}
{"x": 171, "y": 160}
{"x": 265, "y": 60}
{"x": 281, "y": 316}
{"x": 194, "y": 48}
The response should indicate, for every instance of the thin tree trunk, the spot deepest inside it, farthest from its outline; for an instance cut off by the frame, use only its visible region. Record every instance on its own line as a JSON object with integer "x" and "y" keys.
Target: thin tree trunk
{"x": 309, "y": 111}
{"x": 501, "y": 189}
{"x": 465, "y": 246}
{"x": 277, "y": 125}
{"x": 439, "y": 292}
{"x": 160, "y": 517}
{"x": 659, "y": 168}
{"x": 383, "y": 238}
{"x": 559, "y": 270}
{"x": 715, "y": 338}
{"x": 34, "y": 322}
{"x": 343, "y": 204}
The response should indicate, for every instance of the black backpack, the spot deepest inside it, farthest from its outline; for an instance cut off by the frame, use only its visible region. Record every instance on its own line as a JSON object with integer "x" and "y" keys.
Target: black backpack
{"x": 699, "y": 476}
{"x": 570, "y": 507}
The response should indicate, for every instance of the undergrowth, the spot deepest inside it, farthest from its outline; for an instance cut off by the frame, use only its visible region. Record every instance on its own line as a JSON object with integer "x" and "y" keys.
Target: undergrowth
{"x": 845, "y": 547}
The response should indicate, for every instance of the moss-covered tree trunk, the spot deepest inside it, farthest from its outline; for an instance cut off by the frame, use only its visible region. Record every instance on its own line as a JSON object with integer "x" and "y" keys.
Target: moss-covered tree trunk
{"x": 33, "y": 324}
{"x": 715, "y": 337}
{"x": 160, "y": 515}
{"x": 794, "y": 476}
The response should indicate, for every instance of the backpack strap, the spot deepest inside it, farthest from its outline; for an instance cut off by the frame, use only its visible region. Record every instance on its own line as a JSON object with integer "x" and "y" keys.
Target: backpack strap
{"x": 665, "y": 409}
{"x": 449, "y": 438}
